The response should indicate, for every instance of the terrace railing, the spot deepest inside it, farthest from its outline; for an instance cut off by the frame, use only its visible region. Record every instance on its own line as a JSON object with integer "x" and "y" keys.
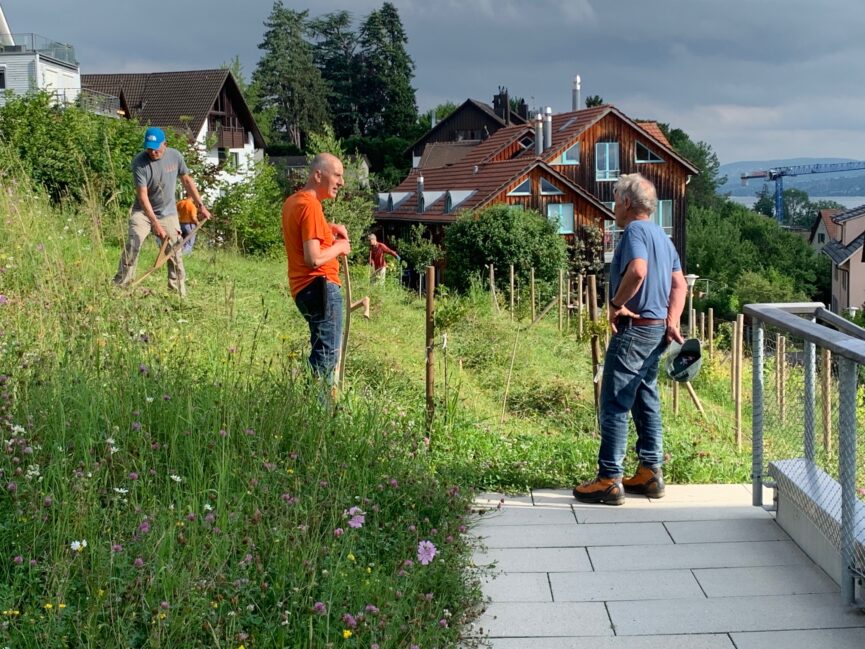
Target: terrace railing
{"x": 805, "y": 443}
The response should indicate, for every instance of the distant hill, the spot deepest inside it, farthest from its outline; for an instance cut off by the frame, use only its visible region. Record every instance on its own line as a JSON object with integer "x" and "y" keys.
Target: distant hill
{"x": 847, "y": 183}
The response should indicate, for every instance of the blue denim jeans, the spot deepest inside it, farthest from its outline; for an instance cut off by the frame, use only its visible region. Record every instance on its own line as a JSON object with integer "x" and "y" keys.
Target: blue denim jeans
{"x": 185, "y": 229}
{"x": 630, "y": 383}
{"x": 325, "y": 326}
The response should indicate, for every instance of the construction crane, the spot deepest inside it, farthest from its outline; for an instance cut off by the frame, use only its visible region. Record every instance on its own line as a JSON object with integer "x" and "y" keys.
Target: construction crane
{"x": 777, "y": 174}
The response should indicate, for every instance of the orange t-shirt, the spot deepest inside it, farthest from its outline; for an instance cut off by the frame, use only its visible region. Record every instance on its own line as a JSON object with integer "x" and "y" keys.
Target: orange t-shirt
{"x": 303, "y": 220}
{"x": 186, "y": 211}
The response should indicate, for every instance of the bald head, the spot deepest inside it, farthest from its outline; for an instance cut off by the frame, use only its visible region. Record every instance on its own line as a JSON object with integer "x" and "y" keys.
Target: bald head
{"x": 325, "y": 176}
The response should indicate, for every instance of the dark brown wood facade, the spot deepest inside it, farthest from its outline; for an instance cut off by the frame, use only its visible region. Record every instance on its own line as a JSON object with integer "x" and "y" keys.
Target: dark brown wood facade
{"x": 669, "y": 176}
{"x": 224, "y": 122}
{"x": 467, "y": 122}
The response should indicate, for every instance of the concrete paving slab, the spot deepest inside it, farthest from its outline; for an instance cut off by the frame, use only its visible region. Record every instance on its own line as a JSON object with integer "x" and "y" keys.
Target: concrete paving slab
{"x": 518, "y": 587}
{"x": 772, "y": 580}
{"x": 530, "y": 620}
{"x": 705, "y": 494}
{"x": 626, "y": 585}
{"x": 716, "y": 641}
{"x": 525, "y": 515}
{"x": 535, "y": 560}
{"x": 653, "y": 511}
{"x": 494, "y": 498}
{"x": 553, "y": 497}
{"x": 697, "y": 555}
{"x": 752, "y": 529}
{"x": 731, "y": 614}
{"x": 573, "y": 535}
{"x": 829, "y": 638}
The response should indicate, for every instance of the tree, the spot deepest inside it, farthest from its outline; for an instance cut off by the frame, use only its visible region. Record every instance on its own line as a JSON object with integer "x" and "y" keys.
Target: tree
{"x": 336, "y": 56}
{"x": 502, "y": 235}
{"x": 287, "y": 81}
{"x": 703, "y": 188}
{"x": 424, "y": 122}
{"x": 386, "y": 99}
{"x": 797, "y": 208}
{"x": 765, "y": 204}
{"x": 594, "y": 100}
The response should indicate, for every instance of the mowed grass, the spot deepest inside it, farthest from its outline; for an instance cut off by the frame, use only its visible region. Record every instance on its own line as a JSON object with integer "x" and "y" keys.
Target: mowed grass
{"x": 221, "y": 503}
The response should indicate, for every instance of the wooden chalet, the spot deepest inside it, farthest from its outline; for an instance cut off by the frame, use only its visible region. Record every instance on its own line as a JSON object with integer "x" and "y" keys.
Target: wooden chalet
{"x": 471, "y": 123}
{"x": 564, "y": 168}
{"x": 205, "y": 105}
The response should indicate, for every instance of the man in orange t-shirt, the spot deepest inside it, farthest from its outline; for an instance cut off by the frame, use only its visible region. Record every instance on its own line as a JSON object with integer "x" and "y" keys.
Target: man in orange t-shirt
{"x": 312, "y": 246}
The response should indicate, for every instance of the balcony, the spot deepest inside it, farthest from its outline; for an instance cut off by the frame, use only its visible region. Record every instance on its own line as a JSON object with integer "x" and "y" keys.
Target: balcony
{"x": 89, "y": 100}
{"x": 35, "y": 43}
{"x": 229, "y": 137}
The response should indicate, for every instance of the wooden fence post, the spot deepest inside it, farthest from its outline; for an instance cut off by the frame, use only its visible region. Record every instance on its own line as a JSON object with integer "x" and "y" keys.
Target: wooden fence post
{"x": 580, "y": 305}
{"x": 675, "y": 397}
{"x": 430, "y": 344}
{"x": 826, "y": 385}
{"x": 596, "y": 343}
{"x": 495, "y": 302}
{"x": 734, "y": 356}
{"x": 702, "y": 327}
{"x": 532, "y": 278}
{"x": 711, "y": 332}
{"x": 561, "y": 299}
{"x": 568, "y": 304}
{"x": 512, "y": 291}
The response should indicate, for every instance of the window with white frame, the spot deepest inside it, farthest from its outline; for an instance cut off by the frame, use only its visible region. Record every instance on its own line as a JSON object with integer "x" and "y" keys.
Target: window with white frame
{"x": 664, "y": 216}
{"x": 572, "y": 155}
{"x": 612, "y": 233}
{"x": 645, "y": 154}
{"x": 606, "y": 161}
{"x": 563, "y": 215}
{"x": 523, "y": 189}
{"x": 549, "y": 189}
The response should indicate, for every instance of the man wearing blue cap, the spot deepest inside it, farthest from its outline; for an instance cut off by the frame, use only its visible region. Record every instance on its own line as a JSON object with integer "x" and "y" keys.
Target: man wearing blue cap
{"x": 155, "y": 171}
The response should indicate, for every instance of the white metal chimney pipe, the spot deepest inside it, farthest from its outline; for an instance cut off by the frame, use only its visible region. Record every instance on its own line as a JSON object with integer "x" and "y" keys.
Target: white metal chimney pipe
{"x": 575, "y": 94}
{"x": 539, "y": 135}
{"x": 420, "y": 205}
{"x": 548, "y": 128}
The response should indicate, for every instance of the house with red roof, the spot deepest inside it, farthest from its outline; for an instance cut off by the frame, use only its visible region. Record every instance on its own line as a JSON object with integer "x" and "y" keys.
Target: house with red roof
{"x": 564, "y": 166}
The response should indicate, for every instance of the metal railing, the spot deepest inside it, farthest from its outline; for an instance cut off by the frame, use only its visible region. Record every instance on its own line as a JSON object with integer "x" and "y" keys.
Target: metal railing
{"x": 92, "y": 101}
{"x": 817, "y": 474}
{"x": 36, "y": 43}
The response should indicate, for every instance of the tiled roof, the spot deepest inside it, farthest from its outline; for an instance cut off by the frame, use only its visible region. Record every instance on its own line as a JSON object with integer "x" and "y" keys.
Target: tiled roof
{"x": 442, "y": 154}
{"x": 177, "y": 100}
{"x": 849, "y": 215}
{"x": 839, "y": 253}
{"x": 655, "y": 131}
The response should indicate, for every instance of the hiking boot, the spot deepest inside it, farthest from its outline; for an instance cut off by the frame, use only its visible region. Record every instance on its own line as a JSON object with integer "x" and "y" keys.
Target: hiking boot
{"x": 601, "y": 490}
{"x": 646, "y": 481}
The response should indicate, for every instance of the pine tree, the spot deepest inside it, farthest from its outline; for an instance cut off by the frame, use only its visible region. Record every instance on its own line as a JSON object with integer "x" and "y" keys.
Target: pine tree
{"x": 387, "y": 103}
{"x": 287, "y": 81}
{"x": 336, "y": 56}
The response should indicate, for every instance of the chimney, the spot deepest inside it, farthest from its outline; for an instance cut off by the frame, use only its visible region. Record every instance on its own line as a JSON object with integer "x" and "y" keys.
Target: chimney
{"x": 432, "y": 118}
{"x": 539, "y": 135}
{"x": 501, "y": 105}
{"x": 548, "y": 128}
{"x": 420, "y": 205}
{"x": 575, "y": 94}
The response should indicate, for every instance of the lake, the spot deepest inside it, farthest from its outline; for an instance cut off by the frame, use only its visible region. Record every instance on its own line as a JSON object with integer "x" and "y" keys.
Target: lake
{"x": 847, "y": 201}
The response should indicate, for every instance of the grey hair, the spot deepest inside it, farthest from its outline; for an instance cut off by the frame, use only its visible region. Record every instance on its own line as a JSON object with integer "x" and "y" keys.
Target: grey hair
{"x": 322, "y": 162}
{"x": 639, "y": 190}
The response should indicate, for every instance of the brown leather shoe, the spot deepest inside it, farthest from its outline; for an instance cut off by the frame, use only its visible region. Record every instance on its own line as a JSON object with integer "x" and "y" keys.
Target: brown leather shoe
{"x": 646, "y": 481}
{"x": 601, "y": 490}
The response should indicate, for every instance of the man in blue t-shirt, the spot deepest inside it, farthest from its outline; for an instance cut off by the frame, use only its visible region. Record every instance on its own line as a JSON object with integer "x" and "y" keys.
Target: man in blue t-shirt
{"x": 647, "y": 291}
{"x": 155, "y": 172}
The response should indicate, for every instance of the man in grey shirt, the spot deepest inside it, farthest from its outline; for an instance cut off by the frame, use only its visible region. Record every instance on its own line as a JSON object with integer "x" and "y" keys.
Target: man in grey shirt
{"x": 155, "y": 171}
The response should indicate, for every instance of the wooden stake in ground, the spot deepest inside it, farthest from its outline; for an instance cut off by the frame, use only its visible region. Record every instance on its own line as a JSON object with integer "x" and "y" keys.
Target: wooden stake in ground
{"x": 495, "y": 304}
{"x": 596, "y": 343}
{"x": 561, "y": 298}
{"x": 532, "y": 279}
{"x": 512, "y": 291}
{"x": 695, "y": 399}
{"x": 430, "y": 344}
{"x": 675, "y": 397}
{"x": 346, "y": 327}
{"x": 580, "y": 305}
{"x": 734, "y": 357}
{"x": 702, "y": 326}
{"x": 568, "y": 304}
{"x": 711, "y": 332}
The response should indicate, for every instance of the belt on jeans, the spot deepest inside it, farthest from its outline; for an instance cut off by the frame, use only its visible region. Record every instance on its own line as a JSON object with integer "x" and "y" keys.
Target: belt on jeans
{"x": 625, "y": 321}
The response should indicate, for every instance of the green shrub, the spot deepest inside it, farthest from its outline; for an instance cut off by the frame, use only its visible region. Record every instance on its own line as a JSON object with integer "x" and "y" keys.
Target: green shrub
{"x": 502, "y": 235}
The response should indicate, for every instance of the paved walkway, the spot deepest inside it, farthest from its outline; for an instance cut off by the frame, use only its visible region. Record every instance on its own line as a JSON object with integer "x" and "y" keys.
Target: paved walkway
{"x": 699, "y": 569}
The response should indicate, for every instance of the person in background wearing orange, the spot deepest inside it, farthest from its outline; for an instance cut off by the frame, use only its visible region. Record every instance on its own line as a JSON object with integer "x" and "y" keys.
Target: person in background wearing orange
{"x": 312, "y": 246}
{"x": 377, "y": 251}
{"x": 187, "y": 212}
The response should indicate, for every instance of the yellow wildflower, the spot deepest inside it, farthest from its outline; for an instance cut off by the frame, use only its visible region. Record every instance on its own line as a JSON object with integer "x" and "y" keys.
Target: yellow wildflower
{"x": 351, "y": 556}
{"x": 48, "y": 606}
{"x": 346, "y": 633}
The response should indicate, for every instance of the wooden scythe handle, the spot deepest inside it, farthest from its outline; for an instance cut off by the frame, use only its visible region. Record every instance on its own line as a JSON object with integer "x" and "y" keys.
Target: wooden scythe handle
{"x": 343, "y": 350}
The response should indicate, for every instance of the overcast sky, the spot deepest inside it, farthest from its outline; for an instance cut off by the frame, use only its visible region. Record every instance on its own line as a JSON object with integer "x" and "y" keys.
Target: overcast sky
{"x": 756, "y": 80}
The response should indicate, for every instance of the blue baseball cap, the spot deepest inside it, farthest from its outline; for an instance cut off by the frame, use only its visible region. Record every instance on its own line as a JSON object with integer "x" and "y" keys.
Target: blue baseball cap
{"x": 153, "y": 138}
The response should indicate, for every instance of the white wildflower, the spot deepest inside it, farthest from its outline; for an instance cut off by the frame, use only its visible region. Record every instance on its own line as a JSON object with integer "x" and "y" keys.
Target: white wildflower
{"x": 121, "y": 490}
{"x": 176, "y": 478}
{"x": 78, "y": 546}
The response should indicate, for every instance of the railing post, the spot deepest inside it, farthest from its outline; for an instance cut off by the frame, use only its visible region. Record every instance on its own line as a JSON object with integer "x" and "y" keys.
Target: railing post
{"x": 810, "y": 397}
{"x": 847, "y": 379}
{"x": 757, "y": 414}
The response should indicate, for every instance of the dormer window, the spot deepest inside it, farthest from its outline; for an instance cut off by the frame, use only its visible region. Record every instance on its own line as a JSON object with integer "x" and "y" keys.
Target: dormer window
{"x": 645, "y": 154}
{"x": 449, "y": 203}
{"x": 390, "y": 203}
{"x": 420, "y": 202}
{"x": 523, "y": 189}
